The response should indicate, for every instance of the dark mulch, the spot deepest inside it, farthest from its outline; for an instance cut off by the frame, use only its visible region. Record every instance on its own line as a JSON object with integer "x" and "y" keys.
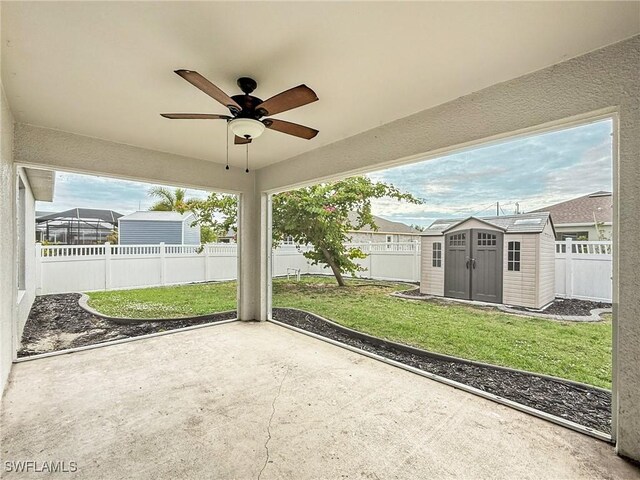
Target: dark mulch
{"x": 586, "y": 406}
{"x": 573, "y": 307}
{"x": 57, "y": 322}
{"x": 560, "y": 306}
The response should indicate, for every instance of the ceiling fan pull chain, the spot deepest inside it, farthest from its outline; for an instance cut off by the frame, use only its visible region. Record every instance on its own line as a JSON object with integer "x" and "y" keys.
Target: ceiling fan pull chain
{"x": 247, "y": 170}
{"x": 227, "y": 167}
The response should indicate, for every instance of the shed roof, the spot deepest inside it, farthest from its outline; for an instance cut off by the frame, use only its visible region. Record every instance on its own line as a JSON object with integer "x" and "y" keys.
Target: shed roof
{"x": 157, "y": 216}
{"x": 597, "y": 206}
{"x": 523, "y": 223}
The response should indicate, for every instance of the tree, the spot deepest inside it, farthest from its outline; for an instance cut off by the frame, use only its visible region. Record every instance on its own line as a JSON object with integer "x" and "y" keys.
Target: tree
{"x": 113, "y": 236}
{"x": 170, "y": 201}
{"x": 319, "y": 216}
{"x": 216, "y": 215}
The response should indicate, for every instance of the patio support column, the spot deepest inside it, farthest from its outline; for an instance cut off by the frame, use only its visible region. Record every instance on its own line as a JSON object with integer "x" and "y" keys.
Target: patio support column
{"x": 254, "y": 256}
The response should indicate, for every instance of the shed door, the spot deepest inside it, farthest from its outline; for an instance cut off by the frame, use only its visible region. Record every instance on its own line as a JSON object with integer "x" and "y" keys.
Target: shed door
{"x": 457, "y": 273}
{"x": 486, "y": 266}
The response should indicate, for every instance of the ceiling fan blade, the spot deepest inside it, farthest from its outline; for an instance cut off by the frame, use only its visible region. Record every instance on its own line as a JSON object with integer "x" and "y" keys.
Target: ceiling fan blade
{"x": 198, "y": 81}
{"x": 241, "y": 141}
{"x": 292, "y": 98}
{"x": 196, "y": 116}
{"x": 290, "y": 128}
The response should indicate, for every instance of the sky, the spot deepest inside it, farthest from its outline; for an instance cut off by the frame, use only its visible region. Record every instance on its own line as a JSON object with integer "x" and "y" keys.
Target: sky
{"x": 534, "y": 171}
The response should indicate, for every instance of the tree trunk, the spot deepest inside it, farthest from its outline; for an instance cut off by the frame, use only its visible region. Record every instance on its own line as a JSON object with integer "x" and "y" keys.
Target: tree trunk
{"x": 336, "y": 271}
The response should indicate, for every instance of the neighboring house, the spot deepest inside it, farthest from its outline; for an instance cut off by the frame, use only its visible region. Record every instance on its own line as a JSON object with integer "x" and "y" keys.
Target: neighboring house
{"x": 78, "y": 226}
{"x": 588, "y": 217}
{"x": 508, "y": 259}
{"x": 388, "y": 232}
{"x": 152, "y": 228}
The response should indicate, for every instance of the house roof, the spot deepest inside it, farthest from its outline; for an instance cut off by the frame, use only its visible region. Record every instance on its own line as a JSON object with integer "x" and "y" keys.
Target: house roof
{"x": 523, "y": 223}
{"x": 94, "y": 214}
{"x": 385, "y": 226}
{"x": 155, "y": 216}
{"x": 583, "y": 209}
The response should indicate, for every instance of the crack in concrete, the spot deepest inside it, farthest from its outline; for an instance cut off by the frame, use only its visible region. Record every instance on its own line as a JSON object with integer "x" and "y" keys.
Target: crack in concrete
{"x": 273, "y": 412}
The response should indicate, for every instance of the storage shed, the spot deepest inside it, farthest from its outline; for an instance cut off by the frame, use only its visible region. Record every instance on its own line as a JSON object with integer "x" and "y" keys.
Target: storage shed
{"x": 508, "y": 259}
{"x": 153, "y": 228}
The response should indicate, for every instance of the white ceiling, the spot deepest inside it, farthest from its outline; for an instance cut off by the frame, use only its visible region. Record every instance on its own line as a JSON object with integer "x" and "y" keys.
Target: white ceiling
{"x": 106, "y": 69}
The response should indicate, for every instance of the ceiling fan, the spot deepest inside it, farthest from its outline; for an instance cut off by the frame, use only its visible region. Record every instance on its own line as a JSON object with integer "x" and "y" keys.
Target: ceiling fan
{"x": 246, "y": 120}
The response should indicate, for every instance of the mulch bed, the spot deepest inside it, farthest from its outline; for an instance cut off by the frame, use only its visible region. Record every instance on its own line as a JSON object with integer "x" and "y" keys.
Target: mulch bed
{"x": 586, "y": 406}
{"x": 57, "y": 322}
{"x": 560, "y": 306}
{"x": 573, "y": 307}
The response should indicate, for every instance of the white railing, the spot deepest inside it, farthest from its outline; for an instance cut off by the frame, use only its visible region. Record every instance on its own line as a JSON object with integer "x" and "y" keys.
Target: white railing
{"x": 584, "y": 248}
{"x": 584, "y": 270}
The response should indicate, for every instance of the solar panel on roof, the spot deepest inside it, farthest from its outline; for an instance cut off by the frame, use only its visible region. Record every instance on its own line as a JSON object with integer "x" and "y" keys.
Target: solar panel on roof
{"x": 528, "y": 221}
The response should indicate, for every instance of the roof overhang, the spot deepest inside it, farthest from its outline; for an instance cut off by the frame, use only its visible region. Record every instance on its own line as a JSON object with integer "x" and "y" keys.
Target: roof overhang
{"x": 42, "y": 183}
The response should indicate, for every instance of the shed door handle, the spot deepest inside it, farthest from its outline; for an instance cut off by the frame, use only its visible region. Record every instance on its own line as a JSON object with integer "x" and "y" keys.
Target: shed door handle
{"x": 467, "y": 264}
{"x": 473, "y": 262}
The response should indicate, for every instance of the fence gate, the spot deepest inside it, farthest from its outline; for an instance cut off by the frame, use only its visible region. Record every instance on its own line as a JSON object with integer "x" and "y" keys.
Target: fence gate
{"x": 473, "y": 265}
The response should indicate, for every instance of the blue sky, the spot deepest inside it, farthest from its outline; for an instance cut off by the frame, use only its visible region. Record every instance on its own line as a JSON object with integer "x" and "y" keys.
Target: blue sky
{"x": 534, "y": 171}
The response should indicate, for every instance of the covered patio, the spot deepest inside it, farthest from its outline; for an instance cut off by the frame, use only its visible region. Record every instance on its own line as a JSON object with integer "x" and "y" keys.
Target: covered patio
{"x": 256, "y": 400}
{"x": 82, "y": 88}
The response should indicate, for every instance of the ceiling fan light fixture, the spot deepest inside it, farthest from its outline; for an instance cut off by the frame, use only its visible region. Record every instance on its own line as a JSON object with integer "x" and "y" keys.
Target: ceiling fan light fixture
{"x": 246, "y": 127}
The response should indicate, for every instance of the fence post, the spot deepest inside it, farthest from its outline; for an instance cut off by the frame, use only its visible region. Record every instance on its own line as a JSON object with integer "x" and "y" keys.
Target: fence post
{"x": 568, "y": 268}
{"x": 38, "y": 268}
{"x": 107, "y": 265}
{"x": 416, "y": 262}
{"x": 206, "y": 262}
{"x": 370, "y": 261}
{"x": 163, "y": 264}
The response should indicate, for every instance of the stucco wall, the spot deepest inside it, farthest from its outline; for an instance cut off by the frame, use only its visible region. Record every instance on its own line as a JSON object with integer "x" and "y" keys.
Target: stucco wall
{"x": 8, "y": 287}
{"x": 28, "y": 294}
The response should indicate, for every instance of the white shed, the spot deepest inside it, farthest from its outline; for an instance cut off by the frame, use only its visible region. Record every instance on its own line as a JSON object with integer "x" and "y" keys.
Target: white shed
{"x": 153, "y": 228}
{"x": 508, "y": 259}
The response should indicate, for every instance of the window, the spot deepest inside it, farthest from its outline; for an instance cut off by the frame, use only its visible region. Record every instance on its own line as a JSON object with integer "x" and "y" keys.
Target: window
{"x": 389, "y": 238}
{"x": 513, "y": 257}
{"x": 288, "y": 240}
{"x": 580, "y": 236}
{"x": 486, "y": 239}
{"x": 436, "y": 254}
{"x": 458, "y": 240}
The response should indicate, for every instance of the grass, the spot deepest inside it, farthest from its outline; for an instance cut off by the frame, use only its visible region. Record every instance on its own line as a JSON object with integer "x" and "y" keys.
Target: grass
{"x": 577, "y": 351}
{"x": 166, "y": 302}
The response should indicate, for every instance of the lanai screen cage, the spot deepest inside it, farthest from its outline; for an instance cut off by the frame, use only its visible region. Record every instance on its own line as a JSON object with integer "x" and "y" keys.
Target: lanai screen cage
{"x": 78, "y": 226}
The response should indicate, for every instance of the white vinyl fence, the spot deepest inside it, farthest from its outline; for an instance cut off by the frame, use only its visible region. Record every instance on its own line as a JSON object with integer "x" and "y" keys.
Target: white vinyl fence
{"x": 83, "y": 268}
{"x": 583, "y": 269}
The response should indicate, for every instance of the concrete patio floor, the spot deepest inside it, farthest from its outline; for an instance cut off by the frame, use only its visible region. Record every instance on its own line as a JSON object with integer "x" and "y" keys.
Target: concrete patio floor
{"x": 249, "y": 400}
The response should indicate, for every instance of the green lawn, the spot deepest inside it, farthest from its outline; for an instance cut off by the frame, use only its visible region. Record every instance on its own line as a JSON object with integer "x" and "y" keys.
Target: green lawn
{"x": 580, "y": 352}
